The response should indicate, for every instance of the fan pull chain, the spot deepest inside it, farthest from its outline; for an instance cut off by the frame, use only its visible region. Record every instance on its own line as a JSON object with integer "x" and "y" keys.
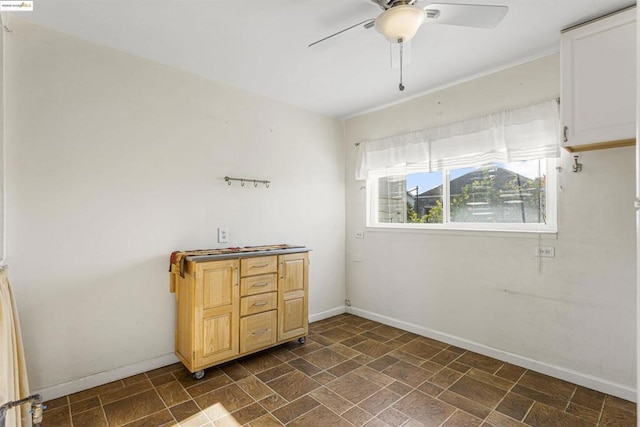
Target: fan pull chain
{"x": 401, "y": 86}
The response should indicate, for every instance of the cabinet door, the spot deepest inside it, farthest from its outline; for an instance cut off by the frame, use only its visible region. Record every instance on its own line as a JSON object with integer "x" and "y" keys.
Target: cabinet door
{"x": 293, "y": 280}
{"x": 598, "y": 83}
{"x": 216, "y": 311}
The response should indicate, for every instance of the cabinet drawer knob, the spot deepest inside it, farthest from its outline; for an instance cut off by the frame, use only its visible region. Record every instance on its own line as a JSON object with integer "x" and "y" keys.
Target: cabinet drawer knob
{"x": 260, "y": 285}
{"x": 261, "y": 332}
{"x": 260, "y": 266}
{"x": 566, "y": 129}
{"x": 260, "y": 303}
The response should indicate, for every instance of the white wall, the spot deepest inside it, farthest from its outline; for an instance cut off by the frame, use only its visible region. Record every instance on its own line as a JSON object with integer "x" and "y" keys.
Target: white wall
{"x": 113, "y": 162}
{"x": 572, "y": 316}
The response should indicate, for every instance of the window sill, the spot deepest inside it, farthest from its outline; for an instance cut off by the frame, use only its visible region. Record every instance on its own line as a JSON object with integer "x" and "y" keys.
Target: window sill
{"x": 475, "y": 232}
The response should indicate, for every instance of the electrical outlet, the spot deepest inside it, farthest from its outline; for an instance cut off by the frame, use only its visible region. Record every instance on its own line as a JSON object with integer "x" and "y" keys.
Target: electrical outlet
{"x": 223, "y": 234}
{"x": 544, "y": 251}
{"x": 359, "y": 234}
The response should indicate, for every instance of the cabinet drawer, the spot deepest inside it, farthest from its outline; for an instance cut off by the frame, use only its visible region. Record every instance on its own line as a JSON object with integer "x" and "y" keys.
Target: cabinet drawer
{"x": 258, "y": 284}
{"x": 259, "y": 265}
{"x": 258, "y": 331}
{"x": 258, "y": 303}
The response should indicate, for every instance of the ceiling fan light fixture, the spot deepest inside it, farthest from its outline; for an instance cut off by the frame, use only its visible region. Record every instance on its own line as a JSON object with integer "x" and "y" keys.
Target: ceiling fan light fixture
{"x": 400, "y": 23}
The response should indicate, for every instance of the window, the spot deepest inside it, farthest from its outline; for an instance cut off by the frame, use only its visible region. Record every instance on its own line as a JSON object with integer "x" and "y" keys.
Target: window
{"x": 518, "y": 196}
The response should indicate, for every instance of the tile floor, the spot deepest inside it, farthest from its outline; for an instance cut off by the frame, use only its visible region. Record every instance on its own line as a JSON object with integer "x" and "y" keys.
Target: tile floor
{"x": 351, "y": 372}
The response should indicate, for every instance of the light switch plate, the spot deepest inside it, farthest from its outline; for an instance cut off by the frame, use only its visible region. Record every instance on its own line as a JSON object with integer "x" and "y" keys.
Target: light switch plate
{"x": 223, "y": 234}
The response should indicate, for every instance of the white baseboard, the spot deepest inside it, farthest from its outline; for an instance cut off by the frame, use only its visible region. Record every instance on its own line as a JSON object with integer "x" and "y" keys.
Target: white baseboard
{"x": 101, "y": 378}
{"x": 584, "y": 380}
{"x": 327, "y": 314}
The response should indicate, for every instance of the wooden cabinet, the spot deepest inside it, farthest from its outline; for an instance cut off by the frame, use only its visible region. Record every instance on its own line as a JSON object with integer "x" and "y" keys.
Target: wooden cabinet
{"x": 232, "y": 307}
{"x": 598, "y": 101}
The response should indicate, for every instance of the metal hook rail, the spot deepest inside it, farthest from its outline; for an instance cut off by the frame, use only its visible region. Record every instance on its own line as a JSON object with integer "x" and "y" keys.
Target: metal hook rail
{"x": 245, "y": 180}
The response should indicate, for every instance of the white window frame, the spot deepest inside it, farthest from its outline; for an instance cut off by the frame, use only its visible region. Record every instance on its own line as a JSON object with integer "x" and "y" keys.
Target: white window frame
{"x": 549, "y": 227}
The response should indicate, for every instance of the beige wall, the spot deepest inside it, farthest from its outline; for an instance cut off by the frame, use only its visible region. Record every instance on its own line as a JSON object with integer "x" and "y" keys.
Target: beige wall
{"x": 572, "y": 316}
{"x": 113, "y": 162}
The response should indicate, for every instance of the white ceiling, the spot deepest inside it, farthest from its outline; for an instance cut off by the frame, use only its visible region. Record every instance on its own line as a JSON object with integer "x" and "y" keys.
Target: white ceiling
{"x": 261, "y": 45}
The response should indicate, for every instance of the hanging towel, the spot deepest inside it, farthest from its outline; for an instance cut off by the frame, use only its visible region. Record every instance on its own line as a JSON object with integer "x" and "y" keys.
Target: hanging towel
{"x": 14, "y": 384}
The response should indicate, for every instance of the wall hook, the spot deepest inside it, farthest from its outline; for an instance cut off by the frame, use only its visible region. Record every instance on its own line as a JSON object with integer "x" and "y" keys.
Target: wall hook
{"x": 255, "y": 183}
{"x": 266, "y": 184}
{"x": 242, "y": 182}
{"x": 577, "y": 167}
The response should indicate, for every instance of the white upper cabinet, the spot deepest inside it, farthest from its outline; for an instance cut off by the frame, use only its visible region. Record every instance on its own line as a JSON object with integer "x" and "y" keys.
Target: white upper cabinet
{"x": 598, "y": 99}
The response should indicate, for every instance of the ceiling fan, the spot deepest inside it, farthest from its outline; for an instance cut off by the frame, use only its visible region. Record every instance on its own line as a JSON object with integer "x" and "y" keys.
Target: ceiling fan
{"x": 401, "y": 19}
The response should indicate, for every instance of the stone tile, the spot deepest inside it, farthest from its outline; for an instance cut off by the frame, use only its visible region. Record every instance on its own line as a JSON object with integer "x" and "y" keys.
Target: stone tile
{"x": 301, "y": 350}
{"x": 124, "y": 392}
{"x": 324, "y": 377}
{"x": 615, "y": 416}
{"x": 160, "y": 418}
{"x": 188, "y": 414}
{"x": 283, "y": 354}
{"x": 406, "y": 357}
{"x": 134, "y": 379}
{"x": 350, "y": 342}
{"x": 218, "y": 403}
{"x": 421, "y": 349}
{"x": 331, "y": 400}
{"x": 377, "y": 422}
{"x": 515, "y": 406}
{"x": 172, "y": 393}
{"x": 209, "y": 385}
{"x": 375, "y": 337}
{"x": 91, "y": 418}
{"x": 248, "y": 413}
{"x": 445, "y": 378}
{"x": 467, "y": 405}
{"x": 162, "y": 379}
{"x": 431, "y": 366}
{"x": 295, "y": 409}
{"x": 266, "y": 421}
{"x": 494, "y": 380}
{"x": 255, "y": 388}
{"x": 344, "y": 368}
{"x": 273, "y": 402}
{"x": 433, "y": 343}
{"x": 343, "y": 350}
{"x": 393, "y": 417}
{"x": 388, "y": 332}
{"x": 406, "y": 337}
{"x": 588, "y": 398}
{"x": 235, "y": 371}
{"x": 399, "y": 388}
{"x": 544, "y": 416}
{"x": 84, "y": 405}
{"x": 462, "y": 419}
{"x": 424, "y": 408}
{"x": 353, "y": 387}
{"x": 259, "y": 362}
{"x": 555, "y": 401}
{"x": 187, "y": 380}
{"x": 372, "y": 348}
{"x": 497, "y": 419}
{"x": 305, "y": 367}
{"x": 379, "y": 401}
{"x": 336, "y": 334}
{"x": 363, "y": 359}
{"x": 95, "y": 391}
{"x": 547, "y": 385}
{"x": 319, "y": 417}
{"x": 273, "y": 373}
{"x": 124, "y": 411}
{"x": 444, "y": 357}
{"x": 357, "y": 416}
{"x": 479, "y": 361}
{"x": 478, "y": 391}
{"x": 324, "y": 358}
{"x": 582, "y": 412}
{"x": 620, "y": 403}
{"x": 510, "y": 372}
{"x": 293, "y": 385}
{"x": 460, "y": 367}
{"x": 382, "y": 363}
{"x": 374, "y": 376}
{"x": 430, "y": 389}
{"x": 56, "y": 403}
{"x": 59, "y": 416}
{"x": 324, "y": 341}
{"x": 164, "y": 370}
{"x": 407, "y": 373}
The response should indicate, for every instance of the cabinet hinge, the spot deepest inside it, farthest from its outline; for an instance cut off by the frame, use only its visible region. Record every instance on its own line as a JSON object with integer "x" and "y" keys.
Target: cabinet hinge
{"x": 193, "y": 355}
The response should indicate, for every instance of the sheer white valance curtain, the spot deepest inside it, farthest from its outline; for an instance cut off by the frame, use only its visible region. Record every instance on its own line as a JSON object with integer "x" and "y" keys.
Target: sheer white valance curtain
{"x": 523, "y": 133}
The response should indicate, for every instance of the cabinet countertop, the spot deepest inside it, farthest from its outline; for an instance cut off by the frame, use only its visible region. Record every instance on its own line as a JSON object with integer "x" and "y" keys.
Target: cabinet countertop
{"x": 247, "y": 254}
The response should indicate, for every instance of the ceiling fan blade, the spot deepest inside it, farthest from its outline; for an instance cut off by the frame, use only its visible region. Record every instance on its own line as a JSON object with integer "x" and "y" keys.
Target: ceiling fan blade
{"x": 369, "y": 23}
{"x": 467, "y": 15}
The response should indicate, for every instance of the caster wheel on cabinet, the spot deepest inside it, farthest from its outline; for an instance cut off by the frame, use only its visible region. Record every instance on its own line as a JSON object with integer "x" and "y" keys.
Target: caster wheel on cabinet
{"x": 198, "y": 375}
{"x": 302, "y": 340}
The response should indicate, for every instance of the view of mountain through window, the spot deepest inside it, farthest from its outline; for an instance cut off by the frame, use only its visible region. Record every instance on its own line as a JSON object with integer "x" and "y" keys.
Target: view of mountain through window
{"x": 496, "y": 193}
